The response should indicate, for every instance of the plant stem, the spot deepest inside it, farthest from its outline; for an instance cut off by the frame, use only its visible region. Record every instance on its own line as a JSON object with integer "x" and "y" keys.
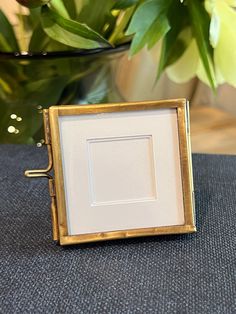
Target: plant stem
{"x": 123, "y": 22}
{"x": 22, "y": 31}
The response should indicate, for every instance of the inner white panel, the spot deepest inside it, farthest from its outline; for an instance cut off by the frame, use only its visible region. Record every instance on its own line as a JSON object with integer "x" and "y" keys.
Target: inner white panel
{"x": 121, "y": 170}
{"x": 115, "y": 179}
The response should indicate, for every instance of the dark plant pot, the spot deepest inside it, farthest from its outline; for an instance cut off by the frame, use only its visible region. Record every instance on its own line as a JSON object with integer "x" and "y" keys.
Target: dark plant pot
{"x": 32, "y": 82}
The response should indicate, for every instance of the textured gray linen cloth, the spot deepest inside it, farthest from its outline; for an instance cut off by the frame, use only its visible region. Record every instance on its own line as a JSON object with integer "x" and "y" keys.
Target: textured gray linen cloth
{"x": 169, "y": 274}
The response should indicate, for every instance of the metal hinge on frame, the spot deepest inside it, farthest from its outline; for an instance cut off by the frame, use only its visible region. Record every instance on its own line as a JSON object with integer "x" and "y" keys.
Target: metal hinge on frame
{"x": 45, "y": 173}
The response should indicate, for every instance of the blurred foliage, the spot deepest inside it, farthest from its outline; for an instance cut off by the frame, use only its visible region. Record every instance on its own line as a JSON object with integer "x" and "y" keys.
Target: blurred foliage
{"x": 194, "y": 36}
{"x": 30, "y": 85}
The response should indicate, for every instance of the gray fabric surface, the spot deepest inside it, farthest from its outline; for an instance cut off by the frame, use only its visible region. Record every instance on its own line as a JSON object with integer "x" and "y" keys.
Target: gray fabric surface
{"x": 170, "y": 274}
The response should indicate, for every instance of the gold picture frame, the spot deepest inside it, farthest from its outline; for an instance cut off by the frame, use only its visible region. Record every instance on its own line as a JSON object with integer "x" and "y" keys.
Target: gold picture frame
{"x": 56, "y": 183}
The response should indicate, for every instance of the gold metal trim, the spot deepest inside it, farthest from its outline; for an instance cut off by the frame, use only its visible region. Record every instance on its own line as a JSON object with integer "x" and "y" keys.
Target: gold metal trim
{"x": 134, "y": 233}
{"x": 44, "y": 173}
{"x": 181, "y": 106}
{"x": 185, "y": 155}
{"x": 38, "y": 173}
{"x": 56, "y": 186}
{"x": 58, "y": 172}
{"x": 41, "y": 173}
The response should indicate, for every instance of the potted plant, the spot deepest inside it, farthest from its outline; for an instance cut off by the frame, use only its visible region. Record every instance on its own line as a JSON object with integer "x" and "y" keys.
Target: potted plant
{"x": 70, "y": 47}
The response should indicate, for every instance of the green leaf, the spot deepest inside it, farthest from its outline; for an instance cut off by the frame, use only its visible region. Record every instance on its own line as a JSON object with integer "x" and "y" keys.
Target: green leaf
{"x": 148, "y": 24}
{"x": 124, "y": 4}
{"x": 186, "y": 67}
{"x": 173, "y": 44}
{"x": 26, "y": 21}
{"x": 117, "y": 36}
{"x": 45, "y": 91}
{"x": 59, "y": 7}
{"x": 6, "y": 30}
{"x": 54, "y": 45}
{"x": 71, "y": 8}
{"x": 4, "y": 46}
{"x": 39, "y": 40}
{"x": 71, "y": 33}
{"x": 200, "y": 25}
{"x": 158, "y": 29}
{"x": 35, "y": 16}
{"x": 97, "y": 15}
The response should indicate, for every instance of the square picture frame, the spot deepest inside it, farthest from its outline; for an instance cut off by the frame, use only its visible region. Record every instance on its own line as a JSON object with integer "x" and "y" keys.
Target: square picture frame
{"x": 121, "y": 170}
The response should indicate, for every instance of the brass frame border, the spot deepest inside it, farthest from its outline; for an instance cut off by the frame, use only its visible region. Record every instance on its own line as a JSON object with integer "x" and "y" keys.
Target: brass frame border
{"x": 181, "y": 105}
{"x": 44, "y": 173}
